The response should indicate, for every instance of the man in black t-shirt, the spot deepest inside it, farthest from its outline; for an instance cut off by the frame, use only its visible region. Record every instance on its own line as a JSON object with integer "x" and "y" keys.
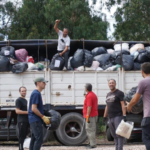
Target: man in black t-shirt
{"x": 22, "y": 118}
{"x": 115, "y": 111}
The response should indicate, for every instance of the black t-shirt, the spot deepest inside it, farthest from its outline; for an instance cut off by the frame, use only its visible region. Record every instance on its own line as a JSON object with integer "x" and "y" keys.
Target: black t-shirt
{"x": 21, "y": 103}
{"x": 114, "y": 107}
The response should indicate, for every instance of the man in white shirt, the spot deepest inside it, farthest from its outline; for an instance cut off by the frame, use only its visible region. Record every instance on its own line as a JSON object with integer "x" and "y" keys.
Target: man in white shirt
{"x": 63, "y": 47}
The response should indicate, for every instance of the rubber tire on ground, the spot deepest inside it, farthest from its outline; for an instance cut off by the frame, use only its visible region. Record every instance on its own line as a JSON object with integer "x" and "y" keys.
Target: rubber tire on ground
{"x": 46, "y": 134}
{"x": 63, "y": 137}
{"x": 109, "y": 136}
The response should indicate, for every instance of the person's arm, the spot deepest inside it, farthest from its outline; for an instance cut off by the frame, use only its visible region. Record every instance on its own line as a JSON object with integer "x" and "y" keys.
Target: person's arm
{"x": 89, "y": 110}
{"x": 105, "y": 112}
{"x": 36, "y": 111}
{"x": 123, "y": 108}
{"x": 21, "y": 112}
{"x": 64, "y": 51}
{"x": 134, "y": 101}
{"x": 55, "y": 26}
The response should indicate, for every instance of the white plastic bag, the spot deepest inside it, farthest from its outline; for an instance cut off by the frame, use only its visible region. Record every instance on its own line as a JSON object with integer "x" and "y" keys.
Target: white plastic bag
{"x": 124, "y": 129}
{"x": 125, "y": 46}
{"x": 26, "y": 143}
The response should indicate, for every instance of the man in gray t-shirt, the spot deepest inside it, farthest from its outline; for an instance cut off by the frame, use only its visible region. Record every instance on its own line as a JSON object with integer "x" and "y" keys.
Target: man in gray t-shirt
{"x": 63, "y": 47}
{"x": 144, "y": 89}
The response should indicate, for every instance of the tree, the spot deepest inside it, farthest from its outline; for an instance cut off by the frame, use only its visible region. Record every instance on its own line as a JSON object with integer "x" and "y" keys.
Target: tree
{"x": 132, "y": 19}
{"x": 35, "y": 20}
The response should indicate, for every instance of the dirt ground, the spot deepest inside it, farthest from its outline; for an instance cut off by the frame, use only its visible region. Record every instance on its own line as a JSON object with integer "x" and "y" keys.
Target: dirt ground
{"x": 126, "y": 147}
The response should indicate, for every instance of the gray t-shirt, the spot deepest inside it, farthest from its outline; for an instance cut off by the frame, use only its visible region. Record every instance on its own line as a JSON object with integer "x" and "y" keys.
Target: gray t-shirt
{"x": 63, "y": 41}
{"x": 144, "y": 89}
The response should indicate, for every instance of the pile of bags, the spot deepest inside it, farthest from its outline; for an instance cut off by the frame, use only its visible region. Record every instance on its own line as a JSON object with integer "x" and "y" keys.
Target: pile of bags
{"x": 101, "y": 58}
{"x": 17, "y": 61}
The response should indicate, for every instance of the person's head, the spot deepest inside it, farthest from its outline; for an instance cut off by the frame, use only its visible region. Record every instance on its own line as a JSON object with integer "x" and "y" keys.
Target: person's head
{"x": 145, "y": 69}
{"x": 65, "y": 32}
{"x": 112, "y": 84}
{"x": 23, "y": 91}
{"x": 88, "y": 87}
{"x": 40, "y": 83}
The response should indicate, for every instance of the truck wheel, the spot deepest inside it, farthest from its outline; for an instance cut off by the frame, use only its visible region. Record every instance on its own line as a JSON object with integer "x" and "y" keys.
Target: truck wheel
{"x": 109, "y": 136}
{"x": 71, "y": 131}
{"x": 46, "y": 134}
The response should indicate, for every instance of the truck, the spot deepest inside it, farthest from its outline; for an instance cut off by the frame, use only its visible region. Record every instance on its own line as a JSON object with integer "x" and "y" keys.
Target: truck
{"x": 64, "y": 92}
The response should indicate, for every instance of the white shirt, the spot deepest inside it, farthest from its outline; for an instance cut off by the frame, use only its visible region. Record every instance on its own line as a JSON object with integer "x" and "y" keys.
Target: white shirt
{"x": 63, "y": 41}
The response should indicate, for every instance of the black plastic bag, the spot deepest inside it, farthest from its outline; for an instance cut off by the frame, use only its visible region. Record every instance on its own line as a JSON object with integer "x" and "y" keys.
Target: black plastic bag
{"x": 54, "y": 120}
{"x": 142, "y": 57}
{"x": 138, "y": 108}
{"x": 77, "y": 59}
{"x": 125, "y": 52}
{"x": 148, "y": 51}
{"x": 19, "y": 67}
{"x": 4, "y": 64}
{"x": 57, "y": 62}
{"x": 102, "y": 59}
{"x": 8, "y": 51}
{"x": 127, "y": 62}
{"x": 110, "y": 64}
{"x": 88, "y": 59}
{"x": 98, "y": 51}
{"x": 137, "y": 66}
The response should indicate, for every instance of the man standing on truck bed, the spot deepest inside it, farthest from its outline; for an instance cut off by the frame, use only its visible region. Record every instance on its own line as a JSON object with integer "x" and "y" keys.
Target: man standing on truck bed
{"x": 22, "y": 118}
{"x": 90, "y": 112}
{"x": 63, "y": 47}
{"x": 115, "y": 111}
{"x": 144, "y": 90}
{"x": 36, "y": 114}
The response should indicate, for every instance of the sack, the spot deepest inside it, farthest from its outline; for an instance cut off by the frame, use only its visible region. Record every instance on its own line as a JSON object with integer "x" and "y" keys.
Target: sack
{"x": 8, "y": 51}
{"x": 125, "y": 46}
{"x": 88, "y": 59}
{"x": 57, "y": 62}
{"x": 148, "y": 51}
{"x": 142, "y": 57}
{"x": 31, "y": 66}
{"x": 98, "y": 51}
{"x": 26, "y": 143}
{"x": 112, "y": 68}
{"x": 127, "y": 62}
{"x": 110, "y": 51}
{"x": 99, "y": 69}
{"x": 125, "y": 52}
{"x": 29, "y": 59}
{"x": 137, "y": 66}
{"x": 81, "y": 68}
{"x": 138, "y": 108}
{"x": 124, "y": 129}
{"x": 21, "y": 55}
{"x": 4, "y": 64}
{"x": 39, "y": 66}
{"x": 102, "y": 59}
{"x": 107, "y": 66}
{"x": 77, "y": 59}
{"x": 95, "y": 65}
{"x": 136, "y": 47}
{"x": 19, "y": 67}
{"x": 54, "y": 120}
{"x": 69, "y": 64}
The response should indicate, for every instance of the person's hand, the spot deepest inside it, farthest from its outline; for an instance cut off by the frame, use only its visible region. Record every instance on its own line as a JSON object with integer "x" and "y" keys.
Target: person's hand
{"x": 57, "y": 21}
{"x": 129, "y": 108}
{"x": 46, "y": 120}
{"x": 60, "y": 54}
{"x": 87, "y": 119}
{"x": 124, "y": 118}
{"x": 104, "y": 121}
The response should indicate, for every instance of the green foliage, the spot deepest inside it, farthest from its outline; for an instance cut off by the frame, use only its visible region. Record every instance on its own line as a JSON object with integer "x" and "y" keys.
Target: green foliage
{"x": 132, "y": 19}
{"x": 35, "y": 20}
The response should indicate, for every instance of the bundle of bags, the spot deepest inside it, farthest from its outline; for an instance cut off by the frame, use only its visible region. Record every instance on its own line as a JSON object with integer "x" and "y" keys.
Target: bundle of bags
{"x": 101, "y": 58}
{"x": 17, "y": 61}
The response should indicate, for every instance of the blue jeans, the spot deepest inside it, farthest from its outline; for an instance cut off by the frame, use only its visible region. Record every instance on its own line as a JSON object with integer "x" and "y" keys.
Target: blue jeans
{"x": 146, "y": 132}
{"x": 36, "y": 135}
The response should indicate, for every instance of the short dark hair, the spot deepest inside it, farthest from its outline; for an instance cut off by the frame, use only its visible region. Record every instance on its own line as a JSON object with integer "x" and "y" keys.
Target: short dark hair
{"x": 112, "y": 79}
{"x": 22, "y": 87}
{"x": 35, "y": 83}
{"x": 146, "y": 68}
{"x": 88, "y": 86}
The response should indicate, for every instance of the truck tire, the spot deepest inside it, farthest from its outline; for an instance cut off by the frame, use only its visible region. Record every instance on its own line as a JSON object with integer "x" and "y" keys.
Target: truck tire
{"x": 109, "y": 136}
{"x": 71, "y": 131}
{"x": 46, "y": 134}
